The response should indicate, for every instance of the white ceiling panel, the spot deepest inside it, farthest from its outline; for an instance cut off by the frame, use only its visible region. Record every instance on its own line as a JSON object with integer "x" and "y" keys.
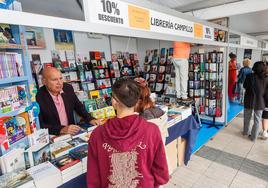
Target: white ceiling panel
{"x": 255, "y": 22}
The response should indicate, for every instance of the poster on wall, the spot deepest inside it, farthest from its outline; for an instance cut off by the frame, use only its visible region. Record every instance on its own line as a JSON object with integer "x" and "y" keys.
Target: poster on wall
{"x": 35, "y": 37}
{"x": 63, "y": 39}
{"x": 248, "y": 53}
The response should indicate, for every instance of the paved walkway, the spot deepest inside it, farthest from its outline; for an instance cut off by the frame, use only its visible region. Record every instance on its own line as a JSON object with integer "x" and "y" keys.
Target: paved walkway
{"x": 228, "y": 160}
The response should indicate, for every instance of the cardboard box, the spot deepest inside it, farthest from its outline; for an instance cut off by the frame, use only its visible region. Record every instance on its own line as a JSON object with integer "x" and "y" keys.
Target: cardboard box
{"x": 181, "y": 146}
{"x": 171, "y": 153}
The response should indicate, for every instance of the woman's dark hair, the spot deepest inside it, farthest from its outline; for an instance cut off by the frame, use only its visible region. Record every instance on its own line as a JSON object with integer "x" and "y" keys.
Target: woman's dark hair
{"x": 231, "y": 55}
{"x": 126, "y": 91}
{"x": 258, "y": 68}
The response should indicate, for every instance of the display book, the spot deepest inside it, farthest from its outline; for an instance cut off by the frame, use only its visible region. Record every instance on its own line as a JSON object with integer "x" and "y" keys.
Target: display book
{"x": 67, "y": 153}
{"x": 205, "y": 82}
{"x": 159, "y": 73}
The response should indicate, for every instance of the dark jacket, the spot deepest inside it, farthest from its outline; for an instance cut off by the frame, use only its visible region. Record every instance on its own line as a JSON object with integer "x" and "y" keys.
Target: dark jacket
{"x": 49, "y": 117}
{"x": 266, "y": 94}
{"x": 243, "y": 74}
{"x": 255, "y": 90}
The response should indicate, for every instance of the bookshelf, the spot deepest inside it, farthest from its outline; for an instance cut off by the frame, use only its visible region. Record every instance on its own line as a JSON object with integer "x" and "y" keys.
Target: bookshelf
{"x": 15, "y": 84}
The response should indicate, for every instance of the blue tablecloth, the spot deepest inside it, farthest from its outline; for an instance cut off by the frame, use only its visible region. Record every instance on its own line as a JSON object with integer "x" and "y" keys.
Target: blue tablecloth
{"x": 187, "y": 129}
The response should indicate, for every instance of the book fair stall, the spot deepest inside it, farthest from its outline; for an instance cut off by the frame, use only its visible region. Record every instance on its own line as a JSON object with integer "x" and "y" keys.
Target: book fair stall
{"x": 117, "y": 39}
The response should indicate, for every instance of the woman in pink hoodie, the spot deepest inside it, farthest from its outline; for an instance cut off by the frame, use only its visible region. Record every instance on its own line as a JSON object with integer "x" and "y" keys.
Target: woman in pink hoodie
{"x": 127, "y": 152}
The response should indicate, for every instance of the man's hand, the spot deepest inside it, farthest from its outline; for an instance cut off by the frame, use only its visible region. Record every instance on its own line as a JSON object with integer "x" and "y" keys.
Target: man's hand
{"x": 70, "y": 129}
{"x": 96, "y": 122}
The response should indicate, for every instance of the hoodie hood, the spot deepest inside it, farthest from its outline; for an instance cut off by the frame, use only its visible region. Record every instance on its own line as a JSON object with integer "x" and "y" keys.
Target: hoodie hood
{"x": 125, "y": 133}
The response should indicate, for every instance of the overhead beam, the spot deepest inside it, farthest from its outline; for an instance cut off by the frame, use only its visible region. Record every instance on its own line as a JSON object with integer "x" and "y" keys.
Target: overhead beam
{"x": 231, "y": 9}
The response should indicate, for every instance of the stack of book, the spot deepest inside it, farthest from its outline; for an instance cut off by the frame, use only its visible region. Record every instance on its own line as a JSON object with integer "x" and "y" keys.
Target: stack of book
{"x": 10, "y": 65}
{"x": 69, "y": 167}
{"x": 45, "y": 175}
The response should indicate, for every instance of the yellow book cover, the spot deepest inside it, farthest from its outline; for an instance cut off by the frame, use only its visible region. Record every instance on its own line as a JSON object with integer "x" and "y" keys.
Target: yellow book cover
{"x": 94, "y": 94}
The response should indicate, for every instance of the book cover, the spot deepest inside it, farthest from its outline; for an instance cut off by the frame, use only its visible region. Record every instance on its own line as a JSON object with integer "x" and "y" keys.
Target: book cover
{"x": 161, "y": 78}
{"x": 17, "y": 178}
{"x": 6, "y": 35}
{"x": 103, "y": 83}
{"x": 41, "y": 155}
{"x": 79, "y": 152}
{"x": 109, "y": 112}
{"x": 65, "y": 65}
{"x": 15, "y": 131}
{"x": 36, "y": 64}
{"x": 98, "y": 114}
{"x": 101, "y": 103}
{"x": 40, "y": 136}
{"x": 65, "y": 162}
{"x": 94, "y": 94}
{"x": 90, "y": 105}
{"x": 105, "y": 93}
{"x": 60, "y": 148}
{"x": 154, "y": 68}
{"x": 91, "y": 86}
{"x": 104, "y": 63}
{"x": 76, "y": 142}
{"x": 152, "y": 78}
{"x": 13, "y": 160}
{"x": 159, "y": 87}
{"x": 24, "y": 121}
{"x": 126, "y": 71}
{"x": 46, "y": 175}
{"x": 88, "y": 76}
{"x": 47, "y": 65}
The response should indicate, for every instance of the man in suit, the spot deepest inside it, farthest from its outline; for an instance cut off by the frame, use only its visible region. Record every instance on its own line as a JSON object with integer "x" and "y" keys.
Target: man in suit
{"x": 58, "y": 102}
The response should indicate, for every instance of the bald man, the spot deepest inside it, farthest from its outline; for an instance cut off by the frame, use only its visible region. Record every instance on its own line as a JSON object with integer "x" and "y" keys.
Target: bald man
{"x": 58, "y": 102}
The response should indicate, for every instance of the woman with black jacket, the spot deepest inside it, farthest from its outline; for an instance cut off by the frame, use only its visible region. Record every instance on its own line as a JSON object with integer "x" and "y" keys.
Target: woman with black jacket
{"x": 265, "y": 111}
{"x": 255, "y": 85}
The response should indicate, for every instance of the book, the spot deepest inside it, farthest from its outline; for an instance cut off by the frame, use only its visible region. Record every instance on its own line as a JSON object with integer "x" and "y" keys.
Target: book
{"x": 6, "y": 35}
{"x": 40, "y": 136}
{"x": 76, "y": 142}
{"x": 65, "y": 162}
{"x": 105, "y": 93}
{"x": 88, "y": 76}
{"x": 15, "y": 131}
{"x": 37, "y": 154}
{"x": 13, "y": 160}
{"x": 60, "y": 148}
{"x": 101, "y": 103}
{"x": 19, "y": 179}
{"x": 109, "y": 112}
{"x": 98, "y": 114}
{"x": 103, "y": 83}
{"x": 45, "y": 175}
{"x": 94, "y": 94}
{"x": 160, "y": 78}
{"x": 126, "y": 71}
{"x": 159, "y": 87}
{"x": 36, "y": 64}
{"x": 79, "y": 152}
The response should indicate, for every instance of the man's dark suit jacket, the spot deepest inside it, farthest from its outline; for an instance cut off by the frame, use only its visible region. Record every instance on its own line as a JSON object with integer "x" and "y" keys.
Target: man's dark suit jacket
{"x": 49, "y": 117}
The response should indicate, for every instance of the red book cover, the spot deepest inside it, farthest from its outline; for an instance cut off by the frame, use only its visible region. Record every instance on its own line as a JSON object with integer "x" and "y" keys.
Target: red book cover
{"x": 47, "y": 65}
{"x": 66, "y": 162}
{"x": 65, "y": 64}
